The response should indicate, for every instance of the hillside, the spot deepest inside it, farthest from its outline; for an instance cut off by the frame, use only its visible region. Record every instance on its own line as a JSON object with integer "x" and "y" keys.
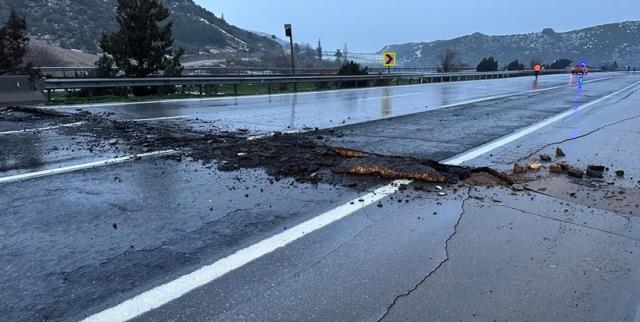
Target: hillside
{"x": 605, "y": 43}
{"x": 43, "y": 54}
{"x": 77, "y": 24}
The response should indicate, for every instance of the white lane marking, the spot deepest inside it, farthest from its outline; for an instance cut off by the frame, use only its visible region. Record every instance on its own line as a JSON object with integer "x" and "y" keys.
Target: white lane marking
{"x": 47, "y": 128}
{"x": 389, "y": 96}
{"x": 262, "y": 136}
{"x": 188, "y": 100}
{"x": 44, "y": 173}
{"x": 488, "y": 147}
{"x": 165, "y": 293}
{"x": 42, "y": 128}
{"x": 164, "y": 118}
{"x": 170, "y": 291}
{"x": 489, "y": 98}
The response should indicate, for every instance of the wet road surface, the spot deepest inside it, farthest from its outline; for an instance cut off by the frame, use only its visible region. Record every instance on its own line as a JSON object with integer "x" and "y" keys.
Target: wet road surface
{"x": 295, "y": 112}
{"x": 78, "y": 243}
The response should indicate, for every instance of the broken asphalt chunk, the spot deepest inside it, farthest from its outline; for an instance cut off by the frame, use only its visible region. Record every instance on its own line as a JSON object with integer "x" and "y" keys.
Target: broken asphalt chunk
{"x": 576, "y": 173}
{"x": 347, "y": 153}
{"x": 517, "y": 168}
{"x": 560, "y": 153}
{"x": 595, "y": 171}
{"x": 534, "y": 166}
{"x": 555, "y": 168}
{"x": 620, "y": 173}
{"x": 545, "y": 158}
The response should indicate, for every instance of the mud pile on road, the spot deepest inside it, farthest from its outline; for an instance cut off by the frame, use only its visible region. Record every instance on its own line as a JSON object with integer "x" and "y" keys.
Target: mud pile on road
{"x": 31, "y": 114}
{"x": 295, "y": 156}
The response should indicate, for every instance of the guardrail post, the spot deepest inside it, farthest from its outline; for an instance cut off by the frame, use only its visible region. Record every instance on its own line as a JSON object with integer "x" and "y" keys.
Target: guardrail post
{"x": 48, "y": 96}
{"x": 201, "y": 90}
{"x": 269, "y": 88}
{"x": 295, "y": 87}
{"x": 235, "y": 89}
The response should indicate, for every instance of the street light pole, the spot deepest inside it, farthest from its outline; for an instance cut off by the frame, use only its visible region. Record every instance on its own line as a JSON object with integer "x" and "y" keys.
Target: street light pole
{"x": 289, "y": 33}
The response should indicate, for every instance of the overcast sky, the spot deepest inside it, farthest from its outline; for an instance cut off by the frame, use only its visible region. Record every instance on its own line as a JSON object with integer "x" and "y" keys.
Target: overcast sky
{"x": 368, "y": 25}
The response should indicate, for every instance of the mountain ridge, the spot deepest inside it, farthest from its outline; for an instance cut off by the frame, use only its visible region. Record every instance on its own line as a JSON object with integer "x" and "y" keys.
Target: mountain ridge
{"x": 597, "y": 45}
{"x": 78, "y": 25}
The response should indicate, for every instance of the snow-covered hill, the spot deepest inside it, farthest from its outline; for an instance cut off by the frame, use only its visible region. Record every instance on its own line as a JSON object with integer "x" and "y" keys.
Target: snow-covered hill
{"x": 77, "y": 24}
{"x": 600, "y": 44}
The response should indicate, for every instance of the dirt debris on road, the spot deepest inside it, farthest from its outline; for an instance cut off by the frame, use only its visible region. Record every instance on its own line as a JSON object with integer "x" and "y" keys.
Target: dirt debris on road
{"x": 296, "y": 156}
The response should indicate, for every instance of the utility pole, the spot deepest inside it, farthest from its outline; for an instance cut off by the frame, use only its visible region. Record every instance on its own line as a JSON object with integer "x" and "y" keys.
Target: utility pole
{"x": 289, "y": 33}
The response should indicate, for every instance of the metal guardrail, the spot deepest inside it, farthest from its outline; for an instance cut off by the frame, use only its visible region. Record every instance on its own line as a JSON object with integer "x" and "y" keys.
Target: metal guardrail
{"x": 53, "y": 84}
{"x": 243, "y": 71}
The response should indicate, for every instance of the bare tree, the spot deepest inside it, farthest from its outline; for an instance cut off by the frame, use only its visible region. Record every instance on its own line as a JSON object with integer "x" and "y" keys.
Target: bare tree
{"x": 448, "y": 61}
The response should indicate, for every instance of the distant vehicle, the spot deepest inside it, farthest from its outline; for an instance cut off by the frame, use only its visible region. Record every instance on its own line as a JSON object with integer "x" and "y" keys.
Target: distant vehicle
{"x": 580, "y": 69}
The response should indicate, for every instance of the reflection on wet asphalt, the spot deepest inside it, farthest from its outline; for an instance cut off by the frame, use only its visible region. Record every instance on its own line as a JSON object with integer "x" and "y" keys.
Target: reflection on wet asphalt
{"x": 330, "y": 109}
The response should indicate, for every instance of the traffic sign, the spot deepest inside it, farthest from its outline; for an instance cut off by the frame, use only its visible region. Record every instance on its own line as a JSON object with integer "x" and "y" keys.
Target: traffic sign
{"x": 537, "y": 68}
{"x": 287, "y": 31}
{"x": 389, "y": 59}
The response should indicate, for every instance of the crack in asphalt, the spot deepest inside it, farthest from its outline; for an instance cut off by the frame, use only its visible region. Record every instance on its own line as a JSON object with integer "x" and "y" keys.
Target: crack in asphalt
{"x": 558, "y": 198}
{"x": 578, "y": 137}
{"x": 570, "y": 223}
{"x": 624, "y": 98}
{"x": 446, "y": 259}
{"x": 310, "y": 266}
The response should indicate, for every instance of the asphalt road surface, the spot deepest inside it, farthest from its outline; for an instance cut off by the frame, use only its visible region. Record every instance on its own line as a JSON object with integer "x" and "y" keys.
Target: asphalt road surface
{"x": 155, "y": 237}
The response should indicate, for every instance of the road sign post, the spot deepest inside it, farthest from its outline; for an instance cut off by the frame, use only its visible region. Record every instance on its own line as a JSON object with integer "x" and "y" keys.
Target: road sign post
{"x": 536, "y": 70}
{"x": 389, "y": 59}
{"x": 289, "y": 33}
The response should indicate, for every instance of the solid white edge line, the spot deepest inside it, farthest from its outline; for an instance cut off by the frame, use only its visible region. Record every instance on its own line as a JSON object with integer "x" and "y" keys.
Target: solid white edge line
{"x": 488, "y": 147}
{"x": 165, "y": 293}
{"x": 42, "y": 128}
{"x": 172, "y": 290}
{"x": 188, "y": 100}
{"x": 49, "y": 172}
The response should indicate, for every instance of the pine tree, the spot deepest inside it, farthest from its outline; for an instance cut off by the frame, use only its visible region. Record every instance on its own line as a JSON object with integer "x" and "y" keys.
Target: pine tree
{"x": 144, "y": 44}
{"x": 319, "y": 50}
{"x": 515, "y": 65}
{"x": 174, "y": 67}
{"x": 487, "y": 65}
{"x": 13, "y": 44}
{"x": 105, "y": 67}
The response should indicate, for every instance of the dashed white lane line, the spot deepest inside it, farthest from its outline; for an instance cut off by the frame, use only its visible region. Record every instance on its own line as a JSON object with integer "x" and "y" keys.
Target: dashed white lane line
{"x": 48, "y": 128}
{"x": 170, "y": 291}
{"x": 165, "y": 293}
{"x": 389, "y": 96}
{"x": 42, "y": 128}
{"x": 83, "y": 166}
{"x": 488, "y": 147}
